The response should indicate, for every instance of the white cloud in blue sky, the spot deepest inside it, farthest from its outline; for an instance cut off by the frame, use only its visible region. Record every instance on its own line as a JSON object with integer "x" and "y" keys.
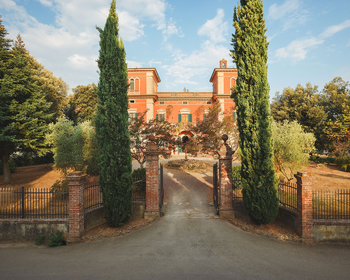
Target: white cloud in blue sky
{"x": 184, "y": 40}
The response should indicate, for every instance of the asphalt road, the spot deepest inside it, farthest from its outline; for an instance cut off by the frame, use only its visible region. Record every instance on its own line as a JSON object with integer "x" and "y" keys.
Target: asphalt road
{"x": 187, "y": 243}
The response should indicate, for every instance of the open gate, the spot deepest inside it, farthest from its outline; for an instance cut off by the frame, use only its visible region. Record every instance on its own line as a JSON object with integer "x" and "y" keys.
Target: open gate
{"x": 161, "y": 189}
{"x": 215, "y": 188}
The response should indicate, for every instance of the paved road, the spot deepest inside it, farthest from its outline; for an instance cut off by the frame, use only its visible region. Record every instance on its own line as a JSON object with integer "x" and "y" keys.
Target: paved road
{"x": 188, "y": 243}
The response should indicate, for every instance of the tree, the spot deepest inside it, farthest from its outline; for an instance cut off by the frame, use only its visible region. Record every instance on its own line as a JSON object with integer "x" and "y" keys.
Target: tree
{"x": 74, "y": 146}
{"x": 207, "y": 133}
{"x": 336, "y": 98}
{"x": 304, "y": 105}
{"x": 292, "y": 146}
{"x": 338, "y": 131}
{"x": 85, "y": 100}
{"x": 55, "y": 89}
{"x": 251, "y": 95}
{"x": 140, "y": 129}
{"x": 111, "y": 124}
{"x": 24, "y": 111}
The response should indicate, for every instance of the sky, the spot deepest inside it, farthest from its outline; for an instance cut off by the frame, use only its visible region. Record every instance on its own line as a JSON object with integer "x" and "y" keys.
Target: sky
{"x": 309, "y": 40}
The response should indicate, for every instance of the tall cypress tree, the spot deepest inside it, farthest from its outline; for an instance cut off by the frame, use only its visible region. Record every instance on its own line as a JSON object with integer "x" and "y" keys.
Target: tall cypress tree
{"x": 111, "y": 123}
{"x": 251, "y": 95}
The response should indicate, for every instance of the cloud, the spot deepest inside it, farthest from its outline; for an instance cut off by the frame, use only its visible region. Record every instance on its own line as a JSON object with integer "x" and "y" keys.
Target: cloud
{"x": 198, "y": 63}
{"x": 46, "y": 3}
{"x": 70, "y": 43}
{"x": 297, "y": 49}
{"x": 290, "y": 13}
{"x": 215, "y": 28}
{"x": 151, "y": 62}
{"x": 153, "y": 10}
{"x": 330, "y": 31}
{"x": 171, "y": 29}
{"x": 81, "y": 62}
{"x": 277, "y": 12}
{"x": 133, "y": 64}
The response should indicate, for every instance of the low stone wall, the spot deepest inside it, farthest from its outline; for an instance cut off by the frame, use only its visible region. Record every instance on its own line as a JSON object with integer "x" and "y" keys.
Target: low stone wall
{"x": 331, "y": 230}
{"x": 29, "y": 229}
{"x": 288, "y": 216}
{"x": 94, "y": 217}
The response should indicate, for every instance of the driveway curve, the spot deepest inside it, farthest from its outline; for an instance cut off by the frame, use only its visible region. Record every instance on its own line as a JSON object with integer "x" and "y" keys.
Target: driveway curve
{"x": 189, "y": 242}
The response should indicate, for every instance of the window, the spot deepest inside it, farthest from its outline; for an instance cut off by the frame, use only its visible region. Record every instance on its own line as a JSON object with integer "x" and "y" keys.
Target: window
{"x": 208, "y": 102}
{"x": 131, "y": 101}
{"x": 132, "y": 84}
{"x": 184, "y": 102}
{"x": 160, "y": 117}
{"x": 161, "y": 102}
{"x": 185, "y": 118}
{"x": 133, "y": 116}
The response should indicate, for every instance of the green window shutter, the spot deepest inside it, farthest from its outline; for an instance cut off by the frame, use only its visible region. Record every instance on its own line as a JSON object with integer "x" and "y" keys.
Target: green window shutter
{"x": 180, "y": 118}
{"x": 136, "y": 115}
{"x": 234, "y": 115}
{"x": 137, "y": 141}
{"x": 203, "y": 117}
{"x": 190, "y": 118}
{"x": 156, "y": 116}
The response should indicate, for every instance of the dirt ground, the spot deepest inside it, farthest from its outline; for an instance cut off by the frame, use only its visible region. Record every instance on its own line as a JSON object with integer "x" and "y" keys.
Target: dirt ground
{"x": 37, "y": 176}
{"x": 328, "y": 177}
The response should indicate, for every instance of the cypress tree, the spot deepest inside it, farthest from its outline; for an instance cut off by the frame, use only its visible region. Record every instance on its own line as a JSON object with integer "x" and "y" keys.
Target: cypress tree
{"x": 251, "y": 95}
{"x": 111, "y": 123}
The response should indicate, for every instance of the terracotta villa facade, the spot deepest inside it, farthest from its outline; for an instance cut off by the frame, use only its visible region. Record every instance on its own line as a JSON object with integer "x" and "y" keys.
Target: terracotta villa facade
{"x": 186, "y": 106}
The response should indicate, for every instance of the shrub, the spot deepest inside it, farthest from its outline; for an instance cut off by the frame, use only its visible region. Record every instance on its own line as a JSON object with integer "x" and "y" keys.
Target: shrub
{"x": 292, "y": 147}
{"x": 12, "y": 164}
{"x": 236, "y": 177}
{"x": 57, "y": 240}
{"x": 343, "y": 163}
{"x": 39, "y": 239}
{"x": 318, "y": 159}
{"x": 74, "y": 147}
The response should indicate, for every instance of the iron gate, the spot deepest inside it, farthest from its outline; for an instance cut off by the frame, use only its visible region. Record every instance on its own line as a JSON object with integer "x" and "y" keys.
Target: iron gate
{"x": 161, "y": 190}
{"x": 215, "y": 188}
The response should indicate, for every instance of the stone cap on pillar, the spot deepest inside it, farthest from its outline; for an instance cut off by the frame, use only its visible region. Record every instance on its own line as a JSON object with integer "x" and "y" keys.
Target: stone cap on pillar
{"x": 152, "y": 147}
{"x": 225, "y": 151}
{"x": 304, "y": 176}
{"x": 76, "y": 174}
{"x": 76, "y": 177}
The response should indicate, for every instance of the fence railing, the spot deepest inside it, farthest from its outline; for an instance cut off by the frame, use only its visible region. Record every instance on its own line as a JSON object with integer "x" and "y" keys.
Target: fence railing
{"x": 22, "y": 203}
{"x": 287, "y": 195}
{"x": 237, "y": 189}
{"x": 92, "y": 197}
{"x": 331, "y": 204}
{"x": 139, "y": 192}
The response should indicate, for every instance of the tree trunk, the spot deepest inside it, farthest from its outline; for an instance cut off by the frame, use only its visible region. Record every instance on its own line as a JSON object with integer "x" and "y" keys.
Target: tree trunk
{"x": 6, "y": 168}
{"x": 141, "y": 165}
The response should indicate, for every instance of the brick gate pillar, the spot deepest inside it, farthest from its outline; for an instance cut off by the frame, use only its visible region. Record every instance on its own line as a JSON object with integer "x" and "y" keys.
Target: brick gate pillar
{"x": 76, "y": 181}
{"x": 152, "y": 180}
{"x": 304, "y": 206}
{"x": 225, "y": 179}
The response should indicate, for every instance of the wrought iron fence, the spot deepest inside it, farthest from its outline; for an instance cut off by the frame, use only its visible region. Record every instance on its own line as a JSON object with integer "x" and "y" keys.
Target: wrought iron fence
{"x": 139, "y": 192}
{"x": 22, "y": 203}
{"x": 331, "y": 204}
{"x": 92, "y": 197}
{"x": 287, "y": 194}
